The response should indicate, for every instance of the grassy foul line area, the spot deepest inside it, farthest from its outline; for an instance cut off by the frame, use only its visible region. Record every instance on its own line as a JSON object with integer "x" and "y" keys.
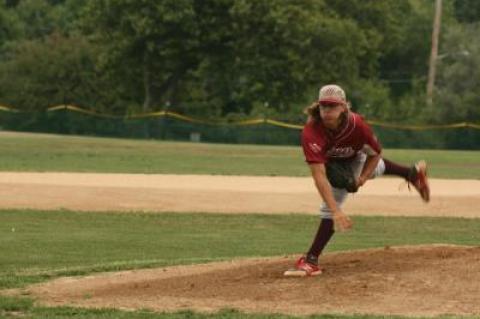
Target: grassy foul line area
{"x": 48, "y": 244}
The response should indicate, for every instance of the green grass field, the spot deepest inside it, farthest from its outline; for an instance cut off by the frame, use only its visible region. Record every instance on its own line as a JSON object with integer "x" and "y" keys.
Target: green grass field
{"x": 36, "y": 246}
{"x": 47, "y": 244}
{"x": 30, "y": 152}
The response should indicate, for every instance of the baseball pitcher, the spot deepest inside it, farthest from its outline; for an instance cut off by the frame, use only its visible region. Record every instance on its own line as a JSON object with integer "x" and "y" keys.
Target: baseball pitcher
{"x": 343, "y": 154}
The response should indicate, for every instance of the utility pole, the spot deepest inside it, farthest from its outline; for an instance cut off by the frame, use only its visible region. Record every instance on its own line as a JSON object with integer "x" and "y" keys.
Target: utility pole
{"x": 434, "y": 52}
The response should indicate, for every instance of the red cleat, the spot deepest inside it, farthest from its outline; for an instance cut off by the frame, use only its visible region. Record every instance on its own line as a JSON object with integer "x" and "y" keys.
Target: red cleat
{"x": 419, "y": 180}
{"x": 303, "y": 269}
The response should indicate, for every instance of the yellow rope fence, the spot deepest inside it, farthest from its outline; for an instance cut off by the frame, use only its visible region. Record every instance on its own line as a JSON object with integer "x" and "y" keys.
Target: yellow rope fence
{"x": 243, "y": 122}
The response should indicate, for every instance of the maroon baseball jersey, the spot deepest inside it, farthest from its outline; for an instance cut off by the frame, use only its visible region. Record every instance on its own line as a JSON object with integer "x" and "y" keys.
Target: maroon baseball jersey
{"x": 321, "y": 145}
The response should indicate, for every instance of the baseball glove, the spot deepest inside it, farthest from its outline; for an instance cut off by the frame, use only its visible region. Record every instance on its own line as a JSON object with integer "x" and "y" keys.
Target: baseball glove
{"x": 340, "y": 175}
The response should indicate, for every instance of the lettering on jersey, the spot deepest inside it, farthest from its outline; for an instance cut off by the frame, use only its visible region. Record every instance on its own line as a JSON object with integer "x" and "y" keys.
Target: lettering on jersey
{"x": 315, "y": 147}
{"x": 341, "y": 152}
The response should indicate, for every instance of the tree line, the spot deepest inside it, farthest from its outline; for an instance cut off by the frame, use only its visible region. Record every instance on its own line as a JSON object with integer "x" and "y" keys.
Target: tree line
{"x": 240, "y": 58}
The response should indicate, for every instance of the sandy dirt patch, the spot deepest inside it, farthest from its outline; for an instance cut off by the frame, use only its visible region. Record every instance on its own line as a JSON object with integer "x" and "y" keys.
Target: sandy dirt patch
{"x": 226, "y": 194}
{"x": 411, "y": 281}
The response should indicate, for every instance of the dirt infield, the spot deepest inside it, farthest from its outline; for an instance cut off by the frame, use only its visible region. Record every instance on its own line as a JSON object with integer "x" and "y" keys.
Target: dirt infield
{"x": 411, "y": 281}
{"x": 226, "y": 194}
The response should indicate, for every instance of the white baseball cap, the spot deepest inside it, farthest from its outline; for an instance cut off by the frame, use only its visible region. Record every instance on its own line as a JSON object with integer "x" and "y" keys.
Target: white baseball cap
{"x": 332, "y": 93}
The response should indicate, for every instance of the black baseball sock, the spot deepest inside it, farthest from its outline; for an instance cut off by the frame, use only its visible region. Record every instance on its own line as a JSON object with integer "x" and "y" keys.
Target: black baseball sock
{"x": 392, "y": 168}
{"x": 324, "y": 233}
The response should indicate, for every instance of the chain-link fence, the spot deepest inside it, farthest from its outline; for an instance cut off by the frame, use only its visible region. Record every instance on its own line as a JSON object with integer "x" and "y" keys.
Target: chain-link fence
{"x": 175, "y": 127}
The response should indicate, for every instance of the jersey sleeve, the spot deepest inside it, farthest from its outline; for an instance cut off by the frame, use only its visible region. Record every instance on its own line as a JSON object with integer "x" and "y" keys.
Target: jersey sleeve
{"x": 313, "y": 149}
{"x": 372, "y": 145}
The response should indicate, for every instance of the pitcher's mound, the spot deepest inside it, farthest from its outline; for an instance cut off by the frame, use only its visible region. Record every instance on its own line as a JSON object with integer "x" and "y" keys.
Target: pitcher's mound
{"x": 420, "y": 280}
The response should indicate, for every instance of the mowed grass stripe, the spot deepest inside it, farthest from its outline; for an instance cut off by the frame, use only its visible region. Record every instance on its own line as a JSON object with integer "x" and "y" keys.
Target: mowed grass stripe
{"x": 24, "y": 308}
{"x": 47, "y": 244}
{"x": 43, "y": 152}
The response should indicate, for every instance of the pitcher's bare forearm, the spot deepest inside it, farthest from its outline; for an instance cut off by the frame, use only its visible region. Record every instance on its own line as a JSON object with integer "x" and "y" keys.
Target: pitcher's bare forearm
{"x": 323, "y": 186}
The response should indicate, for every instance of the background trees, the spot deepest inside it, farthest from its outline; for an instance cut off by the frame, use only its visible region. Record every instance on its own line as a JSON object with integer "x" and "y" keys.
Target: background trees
{"x": 457, "y": 86}
{"x": 217, "y": 58}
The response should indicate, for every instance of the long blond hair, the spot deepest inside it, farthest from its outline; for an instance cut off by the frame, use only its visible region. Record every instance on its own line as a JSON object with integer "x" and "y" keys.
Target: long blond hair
{"x": 313, "y": 111}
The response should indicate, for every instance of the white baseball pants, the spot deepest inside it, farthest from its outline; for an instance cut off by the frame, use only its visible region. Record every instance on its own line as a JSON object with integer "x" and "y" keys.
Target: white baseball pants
{"x": 342, "y": 194}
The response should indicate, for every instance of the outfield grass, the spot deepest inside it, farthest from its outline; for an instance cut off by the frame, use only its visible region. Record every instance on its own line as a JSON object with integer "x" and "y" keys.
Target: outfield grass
{"x": 30, "y": 152}
{"x": 40, "y": 245}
